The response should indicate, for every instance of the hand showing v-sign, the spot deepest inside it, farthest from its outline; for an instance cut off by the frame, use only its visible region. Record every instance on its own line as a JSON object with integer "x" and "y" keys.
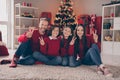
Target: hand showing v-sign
{"x": 42, "y": 42}
{"x": 73, "y": 41}
{"x": 95, "y": 36}
{"x": 29, "y": 33}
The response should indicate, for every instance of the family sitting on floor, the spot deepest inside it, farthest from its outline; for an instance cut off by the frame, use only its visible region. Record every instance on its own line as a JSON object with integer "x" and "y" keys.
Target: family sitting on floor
{"x": 52, "y": 47}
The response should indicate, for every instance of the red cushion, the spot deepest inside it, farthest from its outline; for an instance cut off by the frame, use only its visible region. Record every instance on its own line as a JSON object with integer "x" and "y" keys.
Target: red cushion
{"x": 3, "y": 51}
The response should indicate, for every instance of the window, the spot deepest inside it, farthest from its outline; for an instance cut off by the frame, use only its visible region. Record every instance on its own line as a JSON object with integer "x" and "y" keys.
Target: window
{"x": 3, "y": 29}
{"x": 3, "y": 12}
{"x": 7, "y": 21}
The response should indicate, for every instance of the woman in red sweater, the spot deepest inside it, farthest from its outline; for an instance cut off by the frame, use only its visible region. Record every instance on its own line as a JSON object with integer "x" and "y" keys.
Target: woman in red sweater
{"x": 87, "y": 51}
{"x": 67, "y": 47}
{"x": 49, "y": 48}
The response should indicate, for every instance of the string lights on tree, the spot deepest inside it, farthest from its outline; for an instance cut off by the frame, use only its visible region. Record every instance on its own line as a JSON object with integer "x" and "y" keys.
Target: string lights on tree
{"x": 65, "y": 16}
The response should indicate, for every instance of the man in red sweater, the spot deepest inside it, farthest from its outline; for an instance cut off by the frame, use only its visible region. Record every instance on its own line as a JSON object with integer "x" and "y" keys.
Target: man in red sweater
{"x": 29, "y": 43}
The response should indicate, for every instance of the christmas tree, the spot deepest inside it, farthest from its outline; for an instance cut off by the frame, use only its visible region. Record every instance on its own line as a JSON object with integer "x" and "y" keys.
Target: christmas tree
{"x": 65, "y": 15}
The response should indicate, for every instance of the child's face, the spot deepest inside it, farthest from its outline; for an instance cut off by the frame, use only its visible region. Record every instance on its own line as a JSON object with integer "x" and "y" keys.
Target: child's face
{"x": 55, "y": 32}
{"x": 80, "y": 31}
{"x": 67, "y": 32}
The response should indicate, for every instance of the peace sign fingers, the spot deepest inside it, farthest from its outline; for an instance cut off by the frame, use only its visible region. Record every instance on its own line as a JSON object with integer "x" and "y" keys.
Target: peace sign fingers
{"x": 74, "y": 38}
{"x": 42, "y": 42}
{"x": 73, "y": 41}
{"x": 29, "y": 33}
{"x": 95, "y": 36}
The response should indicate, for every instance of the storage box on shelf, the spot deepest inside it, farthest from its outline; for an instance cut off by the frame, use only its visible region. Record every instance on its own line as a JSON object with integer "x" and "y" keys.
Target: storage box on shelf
{"x": 25, "y": 18}
{"x": 111, "y": 29}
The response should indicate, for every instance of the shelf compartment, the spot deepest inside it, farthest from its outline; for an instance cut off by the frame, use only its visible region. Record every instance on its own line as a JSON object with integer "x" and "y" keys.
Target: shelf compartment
{"x": 109, "y": 12}
{"x": 117, "y": 11}
{"x": 108, "y": 23}
{"x": 117, "y": 35}
{"x": 107, "y": 35}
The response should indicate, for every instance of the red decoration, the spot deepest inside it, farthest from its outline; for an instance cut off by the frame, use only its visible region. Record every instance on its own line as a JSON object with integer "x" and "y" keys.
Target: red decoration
{"x": 47, "y": 15}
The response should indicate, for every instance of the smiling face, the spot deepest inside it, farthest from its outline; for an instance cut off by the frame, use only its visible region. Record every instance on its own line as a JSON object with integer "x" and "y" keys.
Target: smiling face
{"x": 67, "y": 32}
{"x": 79, "y": 31}
{"x": 43, "y": 25}
{"x": 55, "y": 32}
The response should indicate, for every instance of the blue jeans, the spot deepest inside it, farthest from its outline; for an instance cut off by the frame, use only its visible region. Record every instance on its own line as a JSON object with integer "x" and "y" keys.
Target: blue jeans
{"x": 49, "y": 60}
{"x": 25, "y": 51}
{"x": 69, "y": 61}
{"x": 92, "y": 56}
{"x": 28, "y": 60}
{"x": 65, "y": 61}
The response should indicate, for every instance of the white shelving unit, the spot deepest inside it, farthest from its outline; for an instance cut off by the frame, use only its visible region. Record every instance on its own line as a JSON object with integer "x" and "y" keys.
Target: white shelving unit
{"x": 26, "y": 17}
{"x": 111, "y": 29}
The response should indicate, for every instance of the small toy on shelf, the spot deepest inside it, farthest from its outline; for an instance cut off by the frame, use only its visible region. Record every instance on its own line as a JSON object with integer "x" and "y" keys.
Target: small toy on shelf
{"x": 27, "y": 14}
{"x": 108, "y": 38}
{"x": 26, "y": 4}
{"x": 107, "y": 25}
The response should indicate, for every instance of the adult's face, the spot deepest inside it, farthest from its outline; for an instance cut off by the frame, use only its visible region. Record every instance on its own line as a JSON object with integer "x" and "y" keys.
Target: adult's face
{"x": 80, "y": 31}
{"x": 43, "y": 25}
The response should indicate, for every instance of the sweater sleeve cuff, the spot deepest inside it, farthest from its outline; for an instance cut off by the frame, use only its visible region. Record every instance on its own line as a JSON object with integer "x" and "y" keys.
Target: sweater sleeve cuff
{"x": 22, "y": 38}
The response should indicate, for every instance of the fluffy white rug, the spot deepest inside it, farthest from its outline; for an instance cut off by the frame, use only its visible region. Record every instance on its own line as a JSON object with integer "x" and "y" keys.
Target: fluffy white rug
{"x": 45, "y": 72}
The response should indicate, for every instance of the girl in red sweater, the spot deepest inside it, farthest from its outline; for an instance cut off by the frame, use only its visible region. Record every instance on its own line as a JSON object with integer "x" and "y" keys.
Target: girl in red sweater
{"x": 87, "y": 51}
{"x": 67, "y": 47}
{"x": 49, "y": 48}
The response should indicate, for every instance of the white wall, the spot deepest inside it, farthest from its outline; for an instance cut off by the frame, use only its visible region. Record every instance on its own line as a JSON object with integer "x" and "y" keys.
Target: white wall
{"x": 79, "y": 6}
{"x": 89, "y": 6}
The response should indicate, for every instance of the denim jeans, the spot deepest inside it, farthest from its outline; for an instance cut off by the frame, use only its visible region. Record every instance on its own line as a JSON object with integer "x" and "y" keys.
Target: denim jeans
{"x": 73, "y": 62}
{"x": 69, "y": 61}
{"x": 92, "y": 56}
{"x": 28, "y": 60}
{"x": 65, "y": 61}
{"x": 49, "y": 60}
{"x": 24, "y": 49}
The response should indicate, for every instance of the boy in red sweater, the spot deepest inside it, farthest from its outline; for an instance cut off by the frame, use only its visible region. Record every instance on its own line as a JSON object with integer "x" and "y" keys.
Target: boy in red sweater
{"x": 49, "y": 48}
{"x": 29, "y": 44}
